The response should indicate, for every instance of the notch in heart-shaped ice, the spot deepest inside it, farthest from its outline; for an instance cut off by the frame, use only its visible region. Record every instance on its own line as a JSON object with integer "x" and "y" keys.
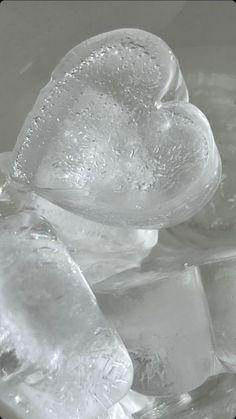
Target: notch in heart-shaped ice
{"x": 112, "y": 137}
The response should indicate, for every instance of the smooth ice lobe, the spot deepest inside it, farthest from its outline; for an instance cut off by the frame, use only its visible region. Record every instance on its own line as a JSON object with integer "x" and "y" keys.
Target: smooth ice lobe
{"x": 111, "y": 136}
{"x": 58, "y": 356}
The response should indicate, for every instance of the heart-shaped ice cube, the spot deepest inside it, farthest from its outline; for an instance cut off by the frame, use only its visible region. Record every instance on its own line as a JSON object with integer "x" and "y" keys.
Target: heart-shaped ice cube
{"x": 112, "y": 137}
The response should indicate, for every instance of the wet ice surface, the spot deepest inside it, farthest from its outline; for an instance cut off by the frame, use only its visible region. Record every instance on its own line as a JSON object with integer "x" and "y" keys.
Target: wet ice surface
{"x": 105, "y": 140}
{"x": 58, "y": 355}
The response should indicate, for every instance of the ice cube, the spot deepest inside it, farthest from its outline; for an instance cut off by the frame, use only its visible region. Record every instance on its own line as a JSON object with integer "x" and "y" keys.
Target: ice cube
{"x": 165, "y": 326}
{"x": 58, "y": 355}
{"x": 101, "y": 251}
{"x": 219, "y": 281}
{"x": 104, "y": 139}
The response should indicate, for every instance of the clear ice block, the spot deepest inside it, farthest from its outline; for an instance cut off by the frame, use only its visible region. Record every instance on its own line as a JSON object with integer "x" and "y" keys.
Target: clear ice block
{"x": 100, "y": 250}
{"x": 113, "y": 138}
{"x": 165, "y": 325}
{"x": 58, "y": 355}
{"x": 219, "y": 281}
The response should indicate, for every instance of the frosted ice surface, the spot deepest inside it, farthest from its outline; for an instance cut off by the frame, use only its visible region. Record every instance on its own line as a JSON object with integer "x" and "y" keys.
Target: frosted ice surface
{"x": 219, "y": 281}
{"x": 165, "y": 326}
{"x": 7, "y": 204}
{"x": 58, "y": 355}
{"x": 112, "y": 136}
{"x": 212, "y": 230}
{"x": 217, "y": 221}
